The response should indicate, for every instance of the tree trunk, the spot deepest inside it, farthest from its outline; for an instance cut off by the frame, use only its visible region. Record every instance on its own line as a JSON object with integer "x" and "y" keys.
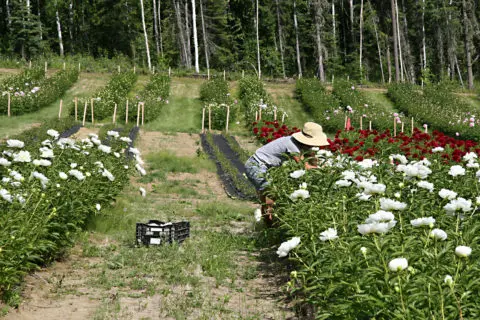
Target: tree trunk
{"x": 258, "y": 41}
{"x": 159, "y": 17}
{"x": 204, "y": 31}
{"x": 9, "y": 19}
{"x": 374, "y": 23}
{"x": 395, "y": 43}
{"x": 195, "y": 37}
{"x": 318, "y": 22}
{"x": 350, "y": 2}
{"x": 424, "y": 46}
{"x": 142, "y": 11}
{"x": 408, "y": 55}
{"x": 155, "y": 27}
{"x": 188, "y": 36}
{"x": 334, "y": 27}
{"x": 183, "y": 48}
{"x": 59, "y": 30}
{"x": 389, "y": 65}
{"x": 280, "y": 39}
{"x": 70, "y": 14}
{"x": 399, "y": 42}
{"x": 361, "y": 38}
{"x": 468, "y": 41}
{"x": 39, "y": 20}
{"x": 297, "y": 44}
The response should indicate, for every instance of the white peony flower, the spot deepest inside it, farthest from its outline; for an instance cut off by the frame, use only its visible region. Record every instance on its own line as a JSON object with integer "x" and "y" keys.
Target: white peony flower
{"x": 372, "y": 188}
{"x": 77, "y": 174}
{"x": 463, "y": 251}
{"x": 135, "y": 151}
{"x": 473, "y": 164}
{"x": 53, "y": 133}
{"x": 447, "y": 194}
{"x": 398, "y": 264}
{"x": 456, "y": 171}
{"x": 99, "y": 164}
{"x": 63, "y": 175}
{"x": 6, "y": 195}
{"x": 363, "y": 250}
{"x": 470, "y": 156}
{"x": 438, "y": 234}
{"x": 389, "y": 204}
{"x": 437, "y": 149}
{"x": 428, "y": 221}
{"x": 4, "y": 162}
{"x": 425, "y": 185}
{"x": 108, "y": 174}
{"x": 448, "y": 280}
{"x": 96, "y": 141}
{"x": 43, "y": 180}
{"x": 73, "y": 165}
{"x": 16, "y": 175}
{"x": 287, "y": 246}
{"x": 15, "y": 143}
{"x": 22, "y": 156}
{"x": 414, "y": 170}
{"x": 477, "y": 200}
{"x": 348, "y": 175}
{"x": 105, "y": 148}
{"x": 300, "y": 193}
{"x": 329, "y": 234}
{"x": 46, "y": 153}
{"x": 380, "y": 216}
{"x": 343, "y": 183}
{"x": 367, "y": 164}
{"x": 400, "y": 157}
{"x": 116, "y": 154}
{"x": 126, "y": 139}
{"x": 458, "y": 204}
{"x": 114, "y": 134}
{"x": 297, "y": 174}
{"x": 42, "y": 162}
{"x": 257, "y": 214}
{"x": 140, "y": 169}
{"x": 362, "y": 196}
{"x": 143, "y": 192}
{"x": 98, "y": 207}
{"x": 376, "y": 227}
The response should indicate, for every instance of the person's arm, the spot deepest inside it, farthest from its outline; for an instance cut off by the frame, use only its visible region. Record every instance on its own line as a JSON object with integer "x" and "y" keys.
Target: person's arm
{"x": 308, "y": 166}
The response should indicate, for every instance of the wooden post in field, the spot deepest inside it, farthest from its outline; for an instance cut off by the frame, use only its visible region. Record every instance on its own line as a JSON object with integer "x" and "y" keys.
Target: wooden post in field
{"x": 426, "y": 128}
{"x": 79, "y": 67}
{"x": 118, "y": 68}
{"x": 243, "y": 74}
{"x": 126, "y": 112}
{"x": 394, "y": 127}
{"x": 224, "y": 75}
{"x": 9, "y": 103}
{"x": 115, "y": 114}
{"x": 208, "y": 74}
{"x": 275, "y": 114}
{"x": 143, "y": 113}
{"x": 30, "y": 64}
{"x": 84, "y": 113}
{"x": 91, "y": 106}
{"x": 169, "y": 72}
{"x": 153, "y": 70}
{"x": 370, "y": 125}
{"x": 46, "y": 67}
{"x": 361, "y": 122}
{"x": 402, "y": 126}
{"x": 256, "y": 115}
{"x": 64, "y": 65}
{"x": 76, "y": 108}
{"x": 60, "y": 109}
{"x": 345, "y": 125}
{"x": 228, "y": 118}
{"x": 209, "y": 118}
{"x": 134, "y": 69}
{"x": 138, "y": 114}
{"x": 259, "y": 113}
{"x": 412, "y": 126}
{"x": 203, "y": 120}
{"x": 283, "y": 117}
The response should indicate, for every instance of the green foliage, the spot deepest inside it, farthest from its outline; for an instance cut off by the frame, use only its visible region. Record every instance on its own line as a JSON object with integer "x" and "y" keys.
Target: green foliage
{"x": 216, "y": 96}
{"x": 254, "y": 97}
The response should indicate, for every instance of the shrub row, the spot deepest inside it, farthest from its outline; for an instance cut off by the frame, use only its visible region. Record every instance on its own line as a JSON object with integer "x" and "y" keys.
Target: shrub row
{"x": 254, "y": 97}
{"x": 439, "y": 108}
{"x": 215, "y": 95}
{"x": 39, "y": 92}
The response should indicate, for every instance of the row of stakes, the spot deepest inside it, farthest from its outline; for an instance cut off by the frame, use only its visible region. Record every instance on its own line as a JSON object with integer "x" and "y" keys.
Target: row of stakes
{"x": 425, "y": 126}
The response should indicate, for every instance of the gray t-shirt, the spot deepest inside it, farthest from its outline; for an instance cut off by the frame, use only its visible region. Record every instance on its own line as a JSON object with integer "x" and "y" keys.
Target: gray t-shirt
{"x": 272, "y": 154}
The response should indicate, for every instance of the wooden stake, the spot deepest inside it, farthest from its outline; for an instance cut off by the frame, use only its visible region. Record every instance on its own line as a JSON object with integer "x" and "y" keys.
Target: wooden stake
{"x": 345, "y": 125}
{"x": 259, "y": 113}
{"x": 84, "y": 113}
{"x": 228, "y": 118}
{"x": 243, "y": 74}
{"x": 283, "y": 117}
{"x": 153, "y": 70}
{"x": 208, "y": 74}
{"x": 224, "y": 76}
{"x": 118, "y": 67}
{"x": 361, "y": 123}
{"x": 9, "y": 103}
{"x": 64, "y": 66}
{"x": 426, "y": 128}
{"x": 209, "y": 119}
{"x": 76, "y": 108}
{"x": 143, "y": 113}
{"x": 412, "y": 126}
{"x": 79, "y": 67}
{"x": 115, "y": 114}
{"x": 256, "y": 115}
{"x": 134, "y": 69}
{"x": 203, "y": 120}
{"x": 91, "y": 105}
{"x": 370, "y": 125}
{"x": 274, "y": 114}
{"x": 138, "y": 114}
{"x": 394, "y": 127}
{"x": 46, "y": 67}
{"x": 30, "y": 64}
{"x": 60, "y": 109}
{"x": 126, "y": 112}
{"x": 402, "y": 126}
{"x": 169, "y": 71}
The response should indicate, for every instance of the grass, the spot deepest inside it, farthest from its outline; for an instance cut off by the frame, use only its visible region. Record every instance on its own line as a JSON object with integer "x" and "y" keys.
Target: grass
{"x": 86, "y": 84}
{"x": 380, "y": 98}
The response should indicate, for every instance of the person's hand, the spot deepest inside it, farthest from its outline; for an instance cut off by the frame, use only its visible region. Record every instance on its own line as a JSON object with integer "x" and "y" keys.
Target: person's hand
{"x": 308, "y": 166}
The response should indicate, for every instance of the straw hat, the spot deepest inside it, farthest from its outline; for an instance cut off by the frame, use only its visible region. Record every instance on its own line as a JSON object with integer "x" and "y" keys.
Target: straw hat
{"x": 311, "y": 135}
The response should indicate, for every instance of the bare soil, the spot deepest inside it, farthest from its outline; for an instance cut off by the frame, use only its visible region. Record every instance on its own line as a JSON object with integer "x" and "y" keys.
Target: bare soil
{"x": 62, "y": 290}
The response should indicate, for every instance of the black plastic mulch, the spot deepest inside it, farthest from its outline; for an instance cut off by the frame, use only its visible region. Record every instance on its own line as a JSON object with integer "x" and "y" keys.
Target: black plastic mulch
{"x": 225, "y": 177}
{"x": 132, "y": 135}
{"x": 69, "y": 132}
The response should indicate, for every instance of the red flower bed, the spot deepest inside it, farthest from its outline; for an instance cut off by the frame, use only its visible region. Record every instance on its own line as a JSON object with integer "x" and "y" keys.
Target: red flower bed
{"x": 267, "y": 131}
{"x": 362, "y": 144}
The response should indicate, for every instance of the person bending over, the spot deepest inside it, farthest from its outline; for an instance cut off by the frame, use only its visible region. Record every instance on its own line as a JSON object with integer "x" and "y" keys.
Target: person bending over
{"x": 274, "y": 153}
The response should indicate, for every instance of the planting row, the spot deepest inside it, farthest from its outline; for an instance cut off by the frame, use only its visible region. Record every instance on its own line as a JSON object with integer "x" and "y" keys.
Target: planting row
{"x": 50, "y": 185}
{"x": 372, "y": 239}
{"x": 31, "y": 91}
{"x": 438, "y": 107}
{"x": 216, "y": 97}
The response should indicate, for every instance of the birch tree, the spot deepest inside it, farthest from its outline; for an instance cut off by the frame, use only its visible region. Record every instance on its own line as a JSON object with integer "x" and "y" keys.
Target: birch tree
{"x": 142, "y": 12}
{"x": 187, "y": 37}
{"x": 258, "y": 41}
{"x": 280, "y": 38}
{"x": 159, "y": 17}
{"x": 361, "y": 38}
{"x": 155, "y": 27}
{"x": 395, "y": 41}
{"x": 204, "y": 33}
{"x": 195, "y": 38}
{"x": 467, "y": 32}
{"x": 318, "y": 22}
{"x": 59, "y": 30}
{"x": 297, "y": 44}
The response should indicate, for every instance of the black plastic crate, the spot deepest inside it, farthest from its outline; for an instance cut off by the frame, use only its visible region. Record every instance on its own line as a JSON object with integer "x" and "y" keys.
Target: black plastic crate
{"x": 156, "y": 232}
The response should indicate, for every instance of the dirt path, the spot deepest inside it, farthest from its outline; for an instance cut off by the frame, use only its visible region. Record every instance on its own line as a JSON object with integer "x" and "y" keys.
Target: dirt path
{"x": 106, "y": 278}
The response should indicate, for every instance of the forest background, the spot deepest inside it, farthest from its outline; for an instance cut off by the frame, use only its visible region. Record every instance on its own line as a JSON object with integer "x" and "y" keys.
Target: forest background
{"x": 368, "y": 40}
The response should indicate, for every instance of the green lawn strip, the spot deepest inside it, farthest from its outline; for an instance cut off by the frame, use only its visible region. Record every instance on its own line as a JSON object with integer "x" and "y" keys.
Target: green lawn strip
{"x": 87, "y": 83}
{"x": 379, "y": 98}
{"x": 283, "y": 95}
{"x": 183, "y": 113}
{"x": 474, "y": 101}
{"x": 212, "y": 250}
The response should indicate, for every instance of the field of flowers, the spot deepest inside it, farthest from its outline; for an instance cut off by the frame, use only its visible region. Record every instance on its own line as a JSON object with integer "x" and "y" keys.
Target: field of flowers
{"x": 51, "y": 184}
{"x": 391, "y": 236}
{"x": 31, "y": 91}
{"x": 254, "y": 98}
